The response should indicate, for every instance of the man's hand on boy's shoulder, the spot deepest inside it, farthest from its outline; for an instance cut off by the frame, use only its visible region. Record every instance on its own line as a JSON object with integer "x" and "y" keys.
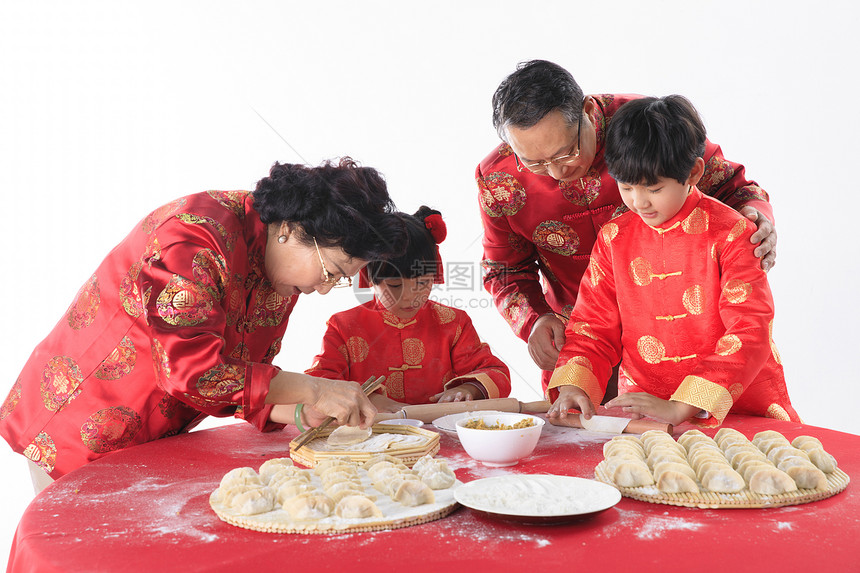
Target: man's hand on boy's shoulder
{"x": 764, "y": 237}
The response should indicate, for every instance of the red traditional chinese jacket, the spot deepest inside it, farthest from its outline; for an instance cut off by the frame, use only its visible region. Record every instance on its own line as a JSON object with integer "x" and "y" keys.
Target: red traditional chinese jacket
{"x": 437, "y": 349}
{"x": 535, "y": 225}
{"x": 688, "y": 310}
{"x": 179, "y": 322}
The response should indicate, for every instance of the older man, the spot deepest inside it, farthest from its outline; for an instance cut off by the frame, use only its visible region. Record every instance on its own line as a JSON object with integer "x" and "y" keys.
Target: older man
{"x": 545, "y": 192}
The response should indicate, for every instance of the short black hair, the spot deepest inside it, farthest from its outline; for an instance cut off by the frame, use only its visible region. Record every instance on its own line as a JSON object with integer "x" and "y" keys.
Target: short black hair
{"x": 535, "y": 89}
{"x": 340, "y": 204}
{"x": 419, "y": 257}
{"x": 650, "y": 138}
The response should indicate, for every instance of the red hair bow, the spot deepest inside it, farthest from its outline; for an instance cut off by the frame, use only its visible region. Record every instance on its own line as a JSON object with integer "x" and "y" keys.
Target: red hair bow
{"x": 437, "y": 227}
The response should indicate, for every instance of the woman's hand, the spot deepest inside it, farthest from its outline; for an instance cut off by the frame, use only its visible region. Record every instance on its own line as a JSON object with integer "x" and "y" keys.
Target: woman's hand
{"x": 642, "y": 404}
{"x": 571, "y": 397}
{"x": 344, "y": 401}
{"x": 546, "y": 340}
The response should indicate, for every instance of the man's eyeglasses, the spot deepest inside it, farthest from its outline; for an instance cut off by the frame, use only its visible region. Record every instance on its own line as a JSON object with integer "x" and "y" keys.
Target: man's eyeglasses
{"x": 328, "y": 278}
{"x": 541, "y": 167}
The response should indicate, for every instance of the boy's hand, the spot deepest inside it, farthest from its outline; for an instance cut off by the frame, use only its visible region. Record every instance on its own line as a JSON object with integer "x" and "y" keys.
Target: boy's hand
{"x": 642, "y": 404}
{"x": 571, "y": 397}
{"x": 546, "y": 340}
{"x": 764, "y": 237}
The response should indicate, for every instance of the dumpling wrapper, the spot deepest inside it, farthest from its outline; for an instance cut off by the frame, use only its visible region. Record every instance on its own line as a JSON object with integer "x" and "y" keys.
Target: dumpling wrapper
{"x": 348, "y": 435}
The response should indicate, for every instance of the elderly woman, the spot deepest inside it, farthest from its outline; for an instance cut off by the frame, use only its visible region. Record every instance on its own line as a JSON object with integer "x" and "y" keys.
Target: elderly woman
{"x": 183, "y": 319}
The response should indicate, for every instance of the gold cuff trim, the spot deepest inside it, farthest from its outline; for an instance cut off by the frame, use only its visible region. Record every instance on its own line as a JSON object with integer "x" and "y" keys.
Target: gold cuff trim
{"x": 481, "y": 378}
{"x": 572, "y": 374}
{"x": 704, "y": 394}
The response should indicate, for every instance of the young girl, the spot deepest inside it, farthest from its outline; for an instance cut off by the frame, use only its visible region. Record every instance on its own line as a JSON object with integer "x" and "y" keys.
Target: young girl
{"x": 427, "y": 351}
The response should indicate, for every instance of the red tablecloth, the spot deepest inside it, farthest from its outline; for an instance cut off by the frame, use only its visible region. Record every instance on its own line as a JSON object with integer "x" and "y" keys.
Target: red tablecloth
{"x": 146, "y": 509}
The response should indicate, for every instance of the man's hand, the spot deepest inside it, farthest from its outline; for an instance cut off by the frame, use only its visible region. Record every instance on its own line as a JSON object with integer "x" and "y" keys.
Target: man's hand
{"x": 764, "y": 237}
{"x": 546, "y": 340}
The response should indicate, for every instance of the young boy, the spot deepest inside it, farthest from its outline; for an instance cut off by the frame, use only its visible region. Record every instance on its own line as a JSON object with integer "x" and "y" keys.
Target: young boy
{"x": 673, "y": 289}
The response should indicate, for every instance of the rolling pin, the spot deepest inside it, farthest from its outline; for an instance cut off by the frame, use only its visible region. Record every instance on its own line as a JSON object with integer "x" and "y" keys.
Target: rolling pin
{"x": 633, "y": 427}
{"x": 429, "y": 412}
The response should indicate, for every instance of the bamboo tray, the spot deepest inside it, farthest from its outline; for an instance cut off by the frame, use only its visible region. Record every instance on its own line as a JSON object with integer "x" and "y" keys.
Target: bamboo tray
{"x": 315, "y": 451}
{"x": 837, "y": 481}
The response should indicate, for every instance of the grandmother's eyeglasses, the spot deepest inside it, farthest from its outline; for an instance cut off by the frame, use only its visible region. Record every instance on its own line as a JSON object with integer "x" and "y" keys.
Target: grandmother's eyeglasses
{"x": 541, "y": 167}
{"x": 328, "y": 278}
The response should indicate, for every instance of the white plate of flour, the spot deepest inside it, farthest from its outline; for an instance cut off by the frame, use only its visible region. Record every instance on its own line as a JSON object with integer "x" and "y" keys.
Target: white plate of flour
{"x": 541, "y": 498}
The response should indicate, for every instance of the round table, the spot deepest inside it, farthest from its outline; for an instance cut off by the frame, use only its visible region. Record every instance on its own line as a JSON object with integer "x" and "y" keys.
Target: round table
{"x": 146, "y": 509}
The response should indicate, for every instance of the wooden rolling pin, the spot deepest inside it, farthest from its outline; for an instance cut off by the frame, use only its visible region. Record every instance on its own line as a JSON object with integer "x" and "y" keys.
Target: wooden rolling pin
{"x": 429, "y": 412}
{"x": 633, "y": 427}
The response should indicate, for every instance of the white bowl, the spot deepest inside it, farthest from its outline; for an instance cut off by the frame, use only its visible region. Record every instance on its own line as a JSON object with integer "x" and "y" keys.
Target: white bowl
{"x": 499, "y": 448}
{"x": 404, "y": 422}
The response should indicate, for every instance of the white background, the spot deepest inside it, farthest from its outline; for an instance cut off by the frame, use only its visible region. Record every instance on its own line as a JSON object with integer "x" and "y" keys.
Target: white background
{"x": 108, "y": 110}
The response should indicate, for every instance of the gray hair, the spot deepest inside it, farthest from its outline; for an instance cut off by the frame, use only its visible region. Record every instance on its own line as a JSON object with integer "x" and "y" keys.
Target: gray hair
{"x": 535, "y": 89}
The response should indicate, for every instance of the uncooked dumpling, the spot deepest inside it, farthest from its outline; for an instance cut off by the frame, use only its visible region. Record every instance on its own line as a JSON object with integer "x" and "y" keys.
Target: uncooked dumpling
{"x": 412, "y": 492}
{"x": 253, "y": 501}
{"x": 723, "y": 479}
{"x": 672, "y": 481}
{"x": 630, "y": 473}
{"x": 273, "y": 466}
{"x": 771, "y": 481}
{"x": 348, "y": 435}
{"x": 356, "y": 507}
{"x": 309, "y": 506}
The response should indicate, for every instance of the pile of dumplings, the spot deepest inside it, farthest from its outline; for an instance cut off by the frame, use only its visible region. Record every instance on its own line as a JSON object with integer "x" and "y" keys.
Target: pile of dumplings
{"x": 726, "y": 463}
{"x": 333, "y": 488}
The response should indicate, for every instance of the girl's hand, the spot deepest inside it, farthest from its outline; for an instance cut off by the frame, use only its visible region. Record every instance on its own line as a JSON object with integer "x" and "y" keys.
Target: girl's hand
{"x": 642, "y": 404}
{"x": 462, "y": 393}
{"x": 571, "y": 397}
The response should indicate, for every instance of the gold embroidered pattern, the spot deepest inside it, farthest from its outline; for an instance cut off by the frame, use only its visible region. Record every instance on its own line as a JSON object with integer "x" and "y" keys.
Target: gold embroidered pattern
{"x": 728, "y": 345}
{"x": 608, "y": 232}
{"x": 42, "y": 451}
{"x": 735, "y": 390}
{"x": 738, "y": 230}
{"x": 703, "y": 393}
{"x": 773, "y": 349}
{"x": 693, "y": 299}
{"x": 444, "y": 314}
{"x": 556, "y": 237}
{"x": 640, "y": 271}
{"x": 84, "y": 308}
{"x": 650, "y": 349}
{"x": 515, "y": 309}
{"x": 696, "y": 222}
{"x": 358, "y": 348}
{"x": 394, "y": 385}
{"x": 737, "y": 291}
{"x": 110, "y": 429}
{"x": 777, "y": 412}
{"x": 589, "y": 189}
{"x": 221, "y": 381}
{"x": 233, "y": 201}
{"x": 583, "y": 329}
{"x": 158, "y": 216}
{"x": 183, "y": 302}
{"x": 129, "y": 295}
{"x": 11, "y": 400}
{"x": 501, "y": 194}
{"x": 228, "y": 238}
{"x": 413, "y": 351}
{"x": 209, "y": 269}
{"x": 582, "y": 361}
{"x": 119, "y": 362}
{"x": 579, "y": 376}
{"x": 161, "y": 362}
{"x": 61, "y": 382}
{"x": 596, "y": 273}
